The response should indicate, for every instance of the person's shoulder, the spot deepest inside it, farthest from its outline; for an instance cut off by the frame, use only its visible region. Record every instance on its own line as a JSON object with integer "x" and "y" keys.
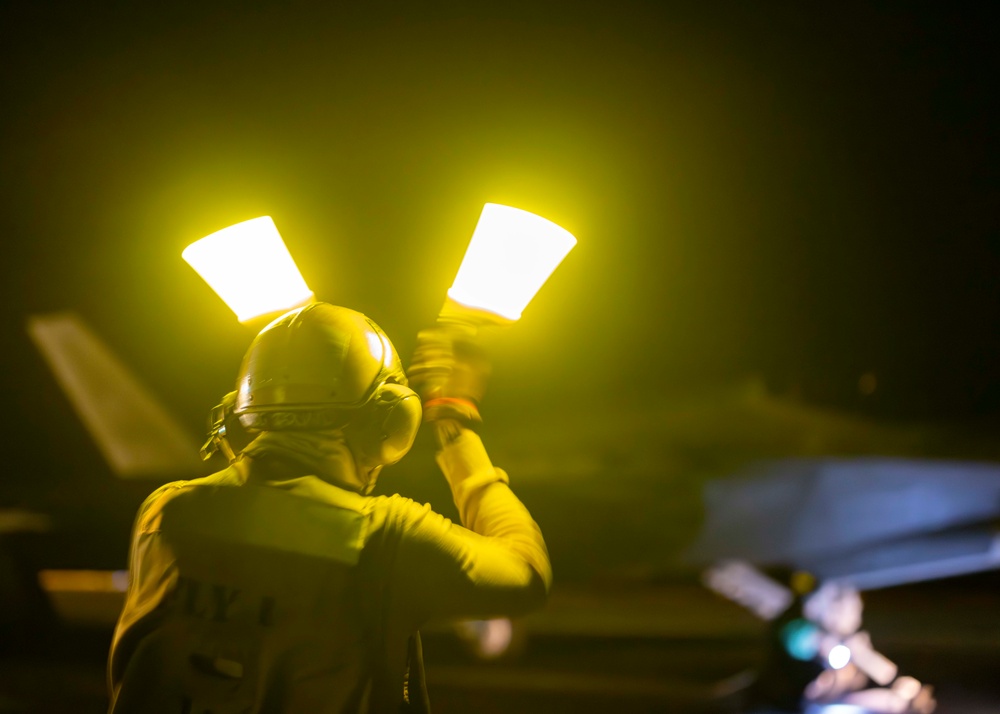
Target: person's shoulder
{"x": 396, "y": 502}
{"x": 155, "y": 501}
{"x": 401, "y": 512}
{"x": 226, "y": 477}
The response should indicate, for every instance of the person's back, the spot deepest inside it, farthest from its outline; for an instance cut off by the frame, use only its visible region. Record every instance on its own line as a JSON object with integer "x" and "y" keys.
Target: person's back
{"x": 266, "y": 588}
{"x": 249, "y": 589}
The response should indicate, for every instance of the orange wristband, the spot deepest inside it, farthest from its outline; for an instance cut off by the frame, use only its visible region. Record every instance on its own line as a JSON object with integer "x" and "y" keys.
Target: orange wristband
{"x": 441, "y": 401}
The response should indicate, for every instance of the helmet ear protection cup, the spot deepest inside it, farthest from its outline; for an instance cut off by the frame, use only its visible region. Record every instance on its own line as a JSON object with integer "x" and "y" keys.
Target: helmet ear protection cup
{"x": 387, "y": 426}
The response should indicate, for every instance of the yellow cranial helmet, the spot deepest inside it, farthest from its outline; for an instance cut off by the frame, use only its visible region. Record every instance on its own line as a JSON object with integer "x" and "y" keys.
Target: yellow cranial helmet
{"x": 325, "y": 367}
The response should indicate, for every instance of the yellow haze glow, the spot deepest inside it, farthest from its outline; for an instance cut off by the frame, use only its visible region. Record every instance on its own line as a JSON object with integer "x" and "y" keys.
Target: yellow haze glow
{"x": 250, "y": 268}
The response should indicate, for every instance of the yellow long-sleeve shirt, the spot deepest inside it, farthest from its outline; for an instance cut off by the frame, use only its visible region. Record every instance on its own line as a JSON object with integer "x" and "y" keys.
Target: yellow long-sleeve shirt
{"x": 253, "y": 594}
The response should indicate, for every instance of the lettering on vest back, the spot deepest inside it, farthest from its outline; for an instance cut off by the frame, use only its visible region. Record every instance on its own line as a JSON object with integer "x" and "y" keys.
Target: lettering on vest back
{"x": 219, "y": 603}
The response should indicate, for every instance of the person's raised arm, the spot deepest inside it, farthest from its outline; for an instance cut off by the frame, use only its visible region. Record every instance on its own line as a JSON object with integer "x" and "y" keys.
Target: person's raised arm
{"x": 497, "y": 564}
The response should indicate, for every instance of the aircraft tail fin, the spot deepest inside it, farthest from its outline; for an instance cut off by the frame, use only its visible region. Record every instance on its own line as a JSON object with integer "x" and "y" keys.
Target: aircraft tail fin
{"x": 135, "y": 433}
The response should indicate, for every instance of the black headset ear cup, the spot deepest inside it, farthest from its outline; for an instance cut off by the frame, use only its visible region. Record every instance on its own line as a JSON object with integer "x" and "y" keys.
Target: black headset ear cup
{"x": 392, "y": 426}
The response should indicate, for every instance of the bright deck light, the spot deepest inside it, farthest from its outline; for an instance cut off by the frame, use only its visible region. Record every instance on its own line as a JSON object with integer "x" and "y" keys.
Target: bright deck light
{"x": 839, "y": 656}
{"x": 250, "y": 268}
{"x": 511, "y": 255}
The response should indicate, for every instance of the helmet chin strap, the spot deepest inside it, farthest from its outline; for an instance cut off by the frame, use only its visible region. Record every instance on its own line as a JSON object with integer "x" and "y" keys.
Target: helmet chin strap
{"x": 371, "y": 480}
{"x": 364, "y": 475}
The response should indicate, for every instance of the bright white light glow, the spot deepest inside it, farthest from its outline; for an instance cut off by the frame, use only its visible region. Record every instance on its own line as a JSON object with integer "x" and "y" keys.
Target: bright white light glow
{"x": 511, "y": 255}
{"x": 741, "y": 582}
{"x": 250, "y": 268}
{"x": 876, "y": 665}
{"x": 489, "y": 638}
{"x": 839, "y": 656}
{"x": 375, "y": 347}
{"x": 907, "y": 687}
{"x": 836, "y": 709}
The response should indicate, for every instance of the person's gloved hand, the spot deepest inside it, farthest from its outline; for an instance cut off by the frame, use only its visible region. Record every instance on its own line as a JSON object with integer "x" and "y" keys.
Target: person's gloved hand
{"x": 449, "y": 371}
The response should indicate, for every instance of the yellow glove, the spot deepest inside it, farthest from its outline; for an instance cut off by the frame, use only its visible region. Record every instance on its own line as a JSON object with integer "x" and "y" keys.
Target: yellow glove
{"x": 449, "y": 371}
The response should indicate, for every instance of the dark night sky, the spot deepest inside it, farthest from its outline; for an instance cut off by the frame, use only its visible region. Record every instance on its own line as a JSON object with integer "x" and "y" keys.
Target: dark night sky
{"x": 802, "y": 191}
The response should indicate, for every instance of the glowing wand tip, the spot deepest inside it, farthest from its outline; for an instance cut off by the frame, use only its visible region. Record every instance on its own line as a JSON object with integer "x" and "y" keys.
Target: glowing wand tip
{"x": 511, "y": 255}
{"x": 249, "y": 267}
